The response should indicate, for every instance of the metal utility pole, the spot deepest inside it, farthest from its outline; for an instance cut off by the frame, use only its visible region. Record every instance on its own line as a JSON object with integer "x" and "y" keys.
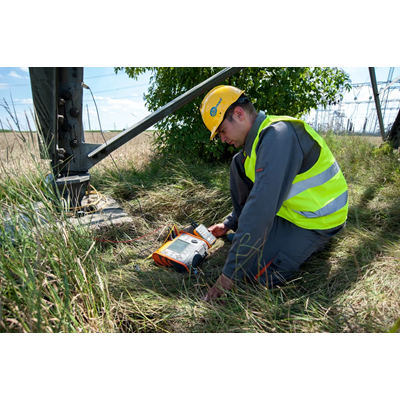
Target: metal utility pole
{"x": 377, "y": 102}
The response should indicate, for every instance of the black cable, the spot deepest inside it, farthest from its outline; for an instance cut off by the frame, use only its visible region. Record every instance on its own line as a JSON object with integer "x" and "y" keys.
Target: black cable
{"x": 112, "y": 158}
{"x": 193, "y": 223}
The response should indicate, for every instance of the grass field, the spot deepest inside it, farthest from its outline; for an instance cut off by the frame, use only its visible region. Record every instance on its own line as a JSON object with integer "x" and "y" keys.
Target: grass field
{"x": 64, "y": 279}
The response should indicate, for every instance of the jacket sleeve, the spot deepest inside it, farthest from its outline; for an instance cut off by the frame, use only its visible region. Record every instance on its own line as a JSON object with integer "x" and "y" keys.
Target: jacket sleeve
{"x": 240, "y": 188}
{"x": 279, "y": 159}
{"x": 231, "y": 221}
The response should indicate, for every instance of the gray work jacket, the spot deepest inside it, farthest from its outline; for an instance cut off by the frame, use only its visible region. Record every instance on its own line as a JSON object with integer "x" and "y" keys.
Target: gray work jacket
{"x": 284, "y": 150}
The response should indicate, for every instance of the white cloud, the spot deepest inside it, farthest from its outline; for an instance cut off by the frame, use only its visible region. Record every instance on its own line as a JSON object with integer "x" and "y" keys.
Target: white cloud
{"x": 25, "y": 69}
{"x": 4, "y": 85}
{"x": 13, "y": 74}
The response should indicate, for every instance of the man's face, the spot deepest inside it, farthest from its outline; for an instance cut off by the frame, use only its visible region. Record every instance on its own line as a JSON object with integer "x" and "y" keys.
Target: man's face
{"x": 233, "y": 131}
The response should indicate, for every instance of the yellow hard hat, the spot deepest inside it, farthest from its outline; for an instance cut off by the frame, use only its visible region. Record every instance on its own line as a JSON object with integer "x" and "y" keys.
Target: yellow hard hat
{"x": 215, "y": 105}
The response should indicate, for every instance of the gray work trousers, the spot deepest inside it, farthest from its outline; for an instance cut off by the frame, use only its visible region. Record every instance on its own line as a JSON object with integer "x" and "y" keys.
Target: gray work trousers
{"x": 285, "y": 250}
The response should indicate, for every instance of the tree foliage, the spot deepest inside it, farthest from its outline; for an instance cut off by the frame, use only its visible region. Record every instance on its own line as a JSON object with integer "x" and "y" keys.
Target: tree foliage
{"x": 292, "y": 91}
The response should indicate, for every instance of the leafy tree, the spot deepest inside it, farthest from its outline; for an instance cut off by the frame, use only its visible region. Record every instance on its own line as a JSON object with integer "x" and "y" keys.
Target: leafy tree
{"x": 292, "y": 91}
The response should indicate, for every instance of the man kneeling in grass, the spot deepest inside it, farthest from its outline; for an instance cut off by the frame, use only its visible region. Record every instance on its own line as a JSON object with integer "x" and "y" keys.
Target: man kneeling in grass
{"x": 289, "y": 195}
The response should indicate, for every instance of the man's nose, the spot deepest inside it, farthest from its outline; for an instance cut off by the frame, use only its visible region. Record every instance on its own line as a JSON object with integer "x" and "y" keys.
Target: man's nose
{"x": 223, "y": 138}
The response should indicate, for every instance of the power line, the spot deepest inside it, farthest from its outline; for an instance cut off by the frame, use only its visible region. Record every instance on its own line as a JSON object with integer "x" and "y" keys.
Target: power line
{"x": 97, "y": 92}
{"x": 112, "y": 90}
{"x": 102, "y": 76}
{"x": 99, "y": 76}
{"x": 108, "y": 98}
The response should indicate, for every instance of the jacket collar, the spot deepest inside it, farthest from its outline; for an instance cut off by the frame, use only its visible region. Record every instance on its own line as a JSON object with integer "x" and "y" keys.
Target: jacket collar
{"x": 248, "y": 146}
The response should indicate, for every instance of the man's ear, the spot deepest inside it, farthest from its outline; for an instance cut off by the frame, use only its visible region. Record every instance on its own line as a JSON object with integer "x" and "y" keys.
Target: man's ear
{"x": 239, "y": 112}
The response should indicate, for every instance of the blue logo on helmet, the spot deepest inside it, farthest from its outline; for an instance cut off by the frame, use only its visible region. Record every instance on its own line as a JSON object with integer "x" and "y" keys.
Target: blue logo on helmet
{"x": 214, "y": 110}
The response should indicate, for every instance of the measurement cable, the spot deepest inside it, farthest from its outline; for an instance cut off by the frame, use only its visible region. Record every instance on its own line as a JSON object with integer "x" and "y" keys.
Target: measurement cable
{"x": 193, "y": 223}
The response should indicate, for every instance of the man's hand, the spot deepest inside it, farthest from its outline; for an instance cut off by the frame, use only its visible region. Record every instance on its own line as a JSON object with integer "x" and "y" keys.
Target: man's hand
{"x": 222, "y": 285}
{"x": 218, "y": 230}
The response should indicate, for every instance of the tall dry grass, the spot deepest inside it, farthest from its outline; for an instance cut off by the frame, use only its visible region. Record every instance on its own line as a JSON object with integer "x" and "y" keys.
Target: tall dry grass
{"x": 353, "y": 286}
{"x": 51, "y": 279}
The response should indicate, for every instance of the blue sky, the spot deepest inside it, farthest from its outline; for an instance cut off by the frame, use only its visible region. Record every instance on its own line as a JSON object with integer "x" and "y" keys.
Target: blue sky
{"x": 120, "y": 98}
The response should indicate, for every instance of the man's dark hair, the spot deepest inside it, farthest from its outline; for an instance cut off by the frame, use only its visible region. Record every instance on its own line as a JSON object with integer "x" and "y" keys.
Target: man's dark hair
{"x": 243, "y": 102}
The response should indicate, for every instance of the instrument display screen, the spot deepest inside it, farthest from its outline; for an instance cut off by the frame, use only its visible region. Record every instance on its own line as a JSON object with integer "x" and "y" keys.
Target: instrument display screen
{"x": 178, "y": 246}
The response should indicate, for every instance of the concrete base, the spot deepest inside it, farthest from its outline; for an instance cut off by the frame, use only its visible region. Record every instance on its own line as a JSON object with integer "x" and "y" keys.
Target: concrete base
{"x": 108, "y": 213}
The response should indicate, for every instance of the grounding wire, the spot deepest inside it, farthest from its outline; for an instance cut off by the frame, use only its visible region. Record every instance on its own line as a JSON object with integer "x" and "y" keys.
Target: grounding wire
{"x": 112, "y": 158}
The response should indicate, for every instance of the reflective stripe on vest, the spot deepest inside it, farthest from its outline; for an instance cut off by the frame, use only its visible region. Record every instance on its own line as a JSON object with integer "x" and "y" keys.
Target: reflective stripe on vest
{"x": 329, "y": 209}
{"x": 318, "y": 198}
{"x": 315, "y": 181}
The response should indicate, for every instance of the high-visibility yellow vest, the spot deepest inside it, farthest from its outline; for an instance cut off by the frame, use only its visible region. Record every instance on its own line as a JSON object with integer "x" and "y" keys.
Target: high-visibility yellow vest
{"x": 318, "y": 198}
